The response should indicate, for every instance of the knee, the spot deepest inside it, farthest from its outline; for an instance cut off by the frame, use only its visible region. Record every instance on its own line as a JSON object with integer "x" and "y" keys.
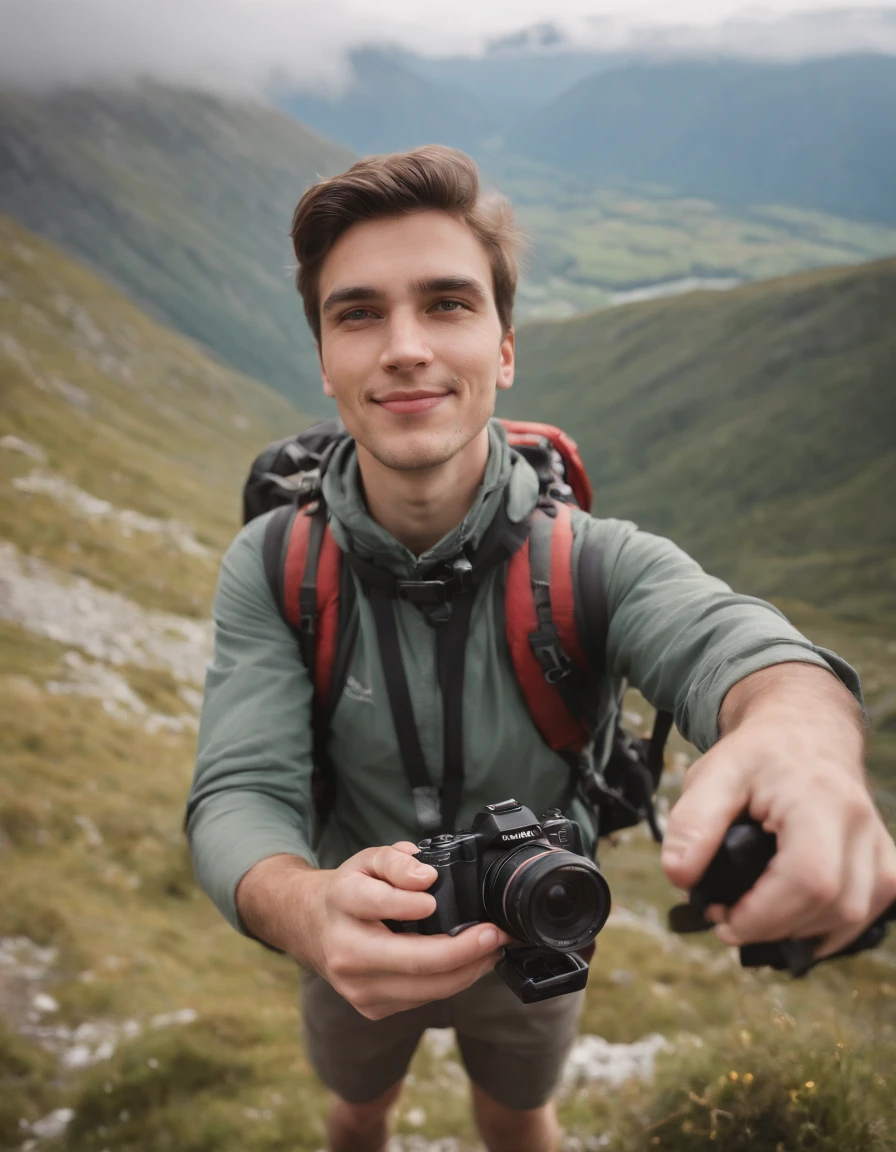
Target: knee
{"x": 362, "y": 1118}
{"x": 515, "y": 1130}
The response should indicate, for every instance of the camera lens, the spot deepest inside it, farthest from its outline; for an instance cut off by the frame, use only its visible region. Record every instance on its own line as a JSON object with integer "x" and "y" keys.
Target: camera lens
{"x": 547, "y": 896}
{"x": 559, "y": 902}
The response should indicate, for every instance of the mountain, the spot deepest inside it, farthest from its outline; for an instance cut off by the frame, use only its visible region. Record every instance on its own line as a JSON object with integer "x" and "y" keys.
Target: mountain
{"x": 754, "y": 426}
{"x": 389, "y": 107}
{"x": 511, "y": 79}
{"x": 817, "y": 134}
{"x": 183, "y": 201}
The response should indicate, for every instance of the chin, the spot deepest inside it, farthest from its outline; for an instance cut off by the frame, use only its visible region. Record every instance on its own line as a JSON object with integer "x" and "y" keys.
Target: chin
{"x": 411, "y": 453}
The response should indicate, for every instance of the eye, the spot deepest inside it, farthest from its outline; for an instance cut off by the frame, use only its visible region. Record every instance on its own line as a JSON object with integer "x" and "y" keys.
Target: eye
{"x": 449, "y": 306}
{"x": 355, "y": 314}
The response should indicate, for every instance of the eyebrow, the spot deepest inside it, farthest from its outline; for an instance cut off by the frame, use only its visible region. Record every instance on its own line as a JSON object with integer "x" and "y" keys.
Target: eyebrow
{"x": 356, "y": 292}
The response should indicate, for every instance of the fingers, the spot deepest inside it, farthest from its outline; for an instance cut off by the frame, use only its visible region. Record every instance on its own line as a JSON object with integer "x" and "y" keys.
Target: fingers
{"x": 854, "y": 904}
{"x": 715, "y": 794}
{"x": 405, "y": 846}
{"x": 833, "y": 875}
{"x": 380, "y": 972}
{"x": 366, "y": 898}
{"x": 430, "y": 955}
{"x": 395, "y": 865}
{"x": 401, "y": 993}
{"x": 411, "y": 955}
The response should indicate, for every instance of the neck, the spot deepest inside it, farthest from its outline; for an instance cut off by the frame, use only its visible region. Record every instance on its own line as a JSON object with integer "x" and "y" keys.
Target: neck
{"x": 420, "y": 506}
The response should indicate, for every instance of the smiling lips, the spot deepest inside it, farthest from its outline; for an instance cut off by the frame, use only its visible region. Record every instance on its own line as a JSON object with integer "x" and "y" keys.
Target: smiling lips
{"x": 409, "y": 403}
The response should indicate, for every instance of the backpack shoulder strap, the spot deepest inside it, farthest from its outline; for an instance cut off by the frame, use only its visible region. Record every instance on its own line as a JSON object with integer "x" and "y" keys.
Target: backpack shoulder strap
{"x": 303, "y": 565}
{"x": 542, "y": 633}
{"x": 556, "y": 619}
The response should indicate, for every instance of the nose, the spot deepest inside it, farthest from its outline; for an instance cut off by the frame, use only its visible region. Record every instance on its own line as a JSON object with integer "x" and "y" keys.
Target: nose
{"x": 406, "y": 346}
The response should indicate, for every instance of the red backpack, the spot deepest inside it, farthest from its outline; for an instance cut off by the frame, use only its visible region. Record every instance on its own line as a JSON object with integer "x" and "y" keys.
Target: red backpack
{"x": 554, "y": 611}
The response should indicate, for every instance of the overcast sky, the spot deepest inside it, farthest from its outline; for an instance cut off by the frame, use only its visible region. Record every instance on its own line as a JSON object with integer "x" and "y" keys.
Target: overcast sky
{"x": 245, "y": 44}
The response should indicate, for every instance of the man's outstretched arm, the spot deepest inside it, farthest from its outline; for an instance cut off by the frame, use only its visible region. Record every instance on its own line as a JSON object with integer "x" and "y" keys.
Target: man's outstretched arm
{"x": 781, "y": 724}
{"x": 792, "y": 752}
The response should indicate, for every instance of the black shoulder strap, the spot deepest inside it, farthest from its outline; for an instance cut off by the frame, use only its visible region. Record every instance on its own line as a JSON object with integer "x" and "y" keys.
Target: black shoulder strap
{"x": 426, "y": 802}
{"x": 276, "y": 534}
{"x": 590, "y": 598}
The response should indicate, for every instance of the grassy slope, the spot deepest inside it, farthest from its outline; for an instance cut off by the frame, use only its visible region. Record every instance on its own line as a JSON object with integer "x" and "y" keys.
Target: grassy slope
{"x": 135, "y": 938}
{"x": 184, "y": 201}
{"x": 755, "y": 424}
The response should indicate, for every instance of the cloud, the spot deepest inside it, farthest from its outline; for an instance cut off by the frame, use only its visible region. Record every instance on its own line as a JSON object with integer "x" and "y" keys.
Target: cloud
{"x": 248, "y": 46}
{"x": 229, "y": 45}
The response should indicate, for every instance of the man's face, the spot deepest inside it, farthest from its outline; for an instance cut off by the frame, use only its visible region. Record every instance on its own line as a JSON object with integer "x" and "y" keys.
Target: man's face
{"x": 412, "y": 348}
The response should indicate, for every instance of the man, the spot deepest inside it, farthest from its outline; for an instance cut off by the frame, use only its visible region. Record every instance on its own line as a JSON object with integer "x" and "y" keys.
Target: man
{"x": 407, "y": 274}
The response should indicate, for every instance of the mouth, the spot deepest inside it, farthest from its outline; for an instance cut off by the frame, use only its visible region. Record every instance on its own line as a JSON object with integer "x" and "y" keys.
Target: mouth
{"x": 410, "y": 403}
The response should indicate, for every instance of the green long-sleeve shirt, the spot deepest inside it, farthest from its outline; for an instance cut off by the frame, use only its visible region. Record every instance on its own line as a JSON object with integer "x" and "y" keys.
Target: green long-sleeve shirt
{"x": 682, "y": 637}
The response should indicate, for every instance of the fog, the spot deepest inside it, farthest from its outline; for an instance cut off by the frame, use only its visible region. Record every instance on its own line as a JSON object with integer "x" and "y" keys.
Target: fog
{"x": 250, "y": 45}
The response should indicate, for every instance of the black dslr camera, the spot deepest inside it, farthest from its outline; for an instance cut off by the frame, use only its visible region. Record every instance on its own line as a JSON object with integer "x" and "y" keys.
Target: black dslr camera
{"x": 529, "y": 877}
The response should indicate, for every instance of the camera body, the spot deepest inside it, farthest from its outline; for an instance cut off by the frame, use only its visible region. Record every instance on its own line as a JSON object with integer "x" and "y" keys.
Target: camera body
{"x": 532, "y": 878}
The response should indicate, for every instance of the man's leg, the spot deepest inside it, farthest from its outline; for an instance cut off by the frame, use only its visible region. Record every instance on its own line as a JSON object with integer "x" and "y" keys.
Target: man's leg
{"x": 361, "y": 1127}
{"x": 363, "y": 1062}
{"x": 510, "y": 1130}
{"x": 514, "y": 1054}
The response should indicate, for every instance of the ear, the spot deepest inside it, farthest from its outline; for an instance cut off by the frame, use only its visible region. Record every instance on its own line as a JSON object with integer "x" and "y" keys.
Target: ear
{"x": 506, "y": 367}
{"x": 328, "y": 387}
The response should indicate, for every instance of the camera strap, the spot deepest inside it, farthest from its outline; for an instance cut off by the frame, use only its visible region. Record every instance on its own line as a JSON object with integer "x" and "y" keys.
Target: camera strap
{"x": 451, "y": 602}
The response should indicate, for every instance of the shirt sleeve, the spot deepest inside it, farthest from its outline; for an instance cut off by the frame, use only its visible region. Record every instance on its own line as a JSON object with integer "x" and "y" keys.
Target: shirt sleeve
{"x": 683, "y": 637}
{"x": 251, "y": 791}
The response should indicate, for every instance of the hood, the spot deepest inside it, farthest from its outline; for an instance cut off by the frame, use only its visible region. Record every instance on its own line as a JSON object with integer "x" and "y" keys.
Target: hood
{"x": 356, "y": 531}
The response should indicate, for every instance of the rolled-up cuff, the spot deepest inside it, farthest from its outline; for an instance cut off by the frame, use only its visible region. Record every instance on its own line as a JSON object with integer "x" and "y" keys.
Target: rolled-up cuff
{"x": 700, "y": 723}
{"x": 230, "y": 833}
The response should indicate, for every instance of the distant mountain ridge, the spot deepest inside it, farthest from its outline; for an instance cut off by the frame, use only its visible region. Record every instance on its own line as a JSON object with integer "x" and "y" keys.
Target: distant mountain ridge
{"x": 182, "y": 200}
{"x": 817, "y": 134}
{"x": 754, "y": 426}
{"x": 389, "y": 107}
{"x": 820, "y": 134}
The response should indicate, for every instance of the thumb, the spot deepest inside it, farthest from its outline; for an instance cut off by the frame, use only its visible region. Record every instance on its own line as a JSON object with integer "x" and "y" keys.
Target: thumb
{"x": 714, "y": 796}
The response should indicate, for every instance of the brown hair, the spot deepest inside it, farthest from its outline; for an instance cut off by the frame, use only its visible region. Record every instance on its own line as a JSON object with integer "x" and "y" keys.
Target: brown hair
{"x": 395, "y": 184}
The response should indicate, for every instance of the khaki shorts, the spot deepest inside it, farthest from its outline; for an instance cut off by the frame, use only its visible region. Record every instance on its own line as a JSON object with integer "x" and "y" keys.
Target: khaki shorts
{"x": 514, "y": 1052}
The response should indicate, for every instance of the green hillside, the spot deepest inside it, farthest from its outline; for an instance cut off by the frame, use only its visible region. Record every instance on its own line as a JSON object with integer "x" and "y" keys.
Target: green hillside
{"x": 184, "y": 201}
{"x": 756, "y": 426}
{"x": 131, "y": 1016}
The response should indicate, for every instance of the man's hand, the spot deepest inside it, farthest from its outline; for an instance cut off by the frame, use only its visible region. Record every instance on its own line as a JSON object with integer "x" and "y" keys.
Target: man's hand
{"x": 791, "y": 753}
{"x": 332, "y": 921}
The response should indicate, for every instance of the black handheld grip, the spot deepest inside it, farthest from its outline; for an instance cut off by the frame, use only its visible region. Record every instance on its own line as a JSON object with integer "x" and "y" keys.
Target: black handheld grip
{"x": 741, "y": 859}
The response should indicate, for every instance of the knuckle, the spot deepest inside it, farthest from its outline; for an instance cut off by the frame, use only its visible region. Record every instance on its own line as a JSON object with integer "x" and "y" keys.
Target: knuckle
{"x": 340, "y": 964}
{"x": 820, "y": 887}
{"x": 362, "y": 1000}
{"x": 853, "y": 913}
{"x": 857, "y": 807}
